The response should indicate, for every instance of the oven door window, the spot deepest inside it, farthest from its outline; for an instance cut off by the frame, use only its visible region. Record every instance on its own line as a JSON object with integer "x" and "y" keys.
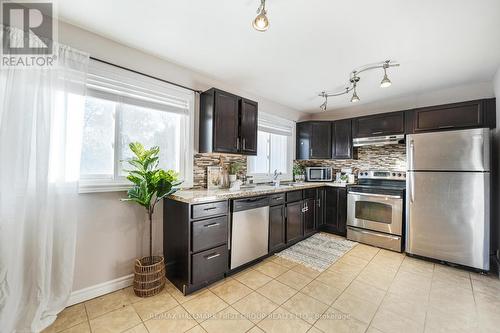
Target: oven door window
{"x": 373, "y": 211}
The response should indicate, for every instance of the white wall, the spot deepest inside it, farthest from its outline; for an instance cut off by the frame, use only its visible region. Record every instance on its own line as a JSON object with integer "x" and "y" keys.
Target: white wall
{"x": 420, "y": 99}
{"x": 111, "y": 233}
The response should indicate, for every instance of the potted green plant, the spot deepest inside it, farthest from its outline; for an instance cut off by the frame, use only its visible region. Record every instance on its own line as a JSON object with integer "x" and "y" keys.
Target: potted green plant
{"x": 150, "y": 186}
{"x": 298, "y": 172}
{"x": 234, "y": 168}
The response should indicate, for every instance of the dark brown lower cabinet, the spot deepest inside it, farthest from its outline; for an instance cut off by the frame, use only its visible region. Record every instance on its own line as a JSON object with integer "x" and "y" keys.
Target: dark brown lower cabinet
{"x": 294, "y": 225}
{"x": 335, "y": 217}
{"x": 309, "y": 216}
{"x": 320, "y": 207}
{"x": 277, "y": 229}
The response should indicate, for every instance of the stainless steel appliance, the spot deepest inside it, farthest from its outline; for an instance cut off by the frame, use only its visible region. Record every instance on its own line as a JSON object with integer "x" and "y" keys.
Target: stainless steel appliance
{"x": 378, "y": 140}
{"x": 249, "y": 230}
{"x": 448, "y": 195}
{"x": 375, "y": 209}
{"x": 319, "y": 174}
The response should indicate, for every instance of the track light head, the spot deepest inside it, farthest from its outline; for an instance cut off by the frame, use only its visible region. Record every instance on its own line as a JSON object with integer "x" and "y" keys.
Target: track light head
{"x": 385, "y": 81}
{"x": 354, "y": 97}
{"x": 261, "y": 22}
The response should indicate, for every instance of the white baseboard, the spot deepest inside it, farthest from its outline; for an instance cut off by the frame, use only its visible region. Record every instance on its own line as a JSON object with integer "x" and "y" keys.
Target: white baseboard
{"x": 100, "y": 289}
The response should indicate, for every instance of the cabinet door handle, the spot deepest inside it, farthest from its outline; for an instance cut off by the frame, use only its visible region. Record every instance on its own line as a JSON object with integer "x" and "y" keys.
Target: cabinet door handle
{"x": 449, "y": 126}
{"x": 319, "y": 202}
{"x": 213, "y": 256}
{"x": 375, "y": 133}
{"x": 238, "y": 143}
{"x": 210, "y": 208}
{"x": 244, "y": 143}
{"x": 211, "y": 225}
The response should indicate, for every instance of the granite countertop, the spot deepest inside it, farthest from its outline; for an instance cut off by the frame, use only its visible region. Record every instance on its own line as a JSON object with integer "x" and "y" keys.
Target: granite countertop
{"x": 204, "y": 195}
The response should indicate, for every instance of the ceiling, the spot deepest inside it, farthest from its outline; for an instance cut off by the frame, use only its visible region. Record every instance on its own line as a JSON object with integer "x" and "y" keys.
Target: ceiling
{"x": 311, "y": 45}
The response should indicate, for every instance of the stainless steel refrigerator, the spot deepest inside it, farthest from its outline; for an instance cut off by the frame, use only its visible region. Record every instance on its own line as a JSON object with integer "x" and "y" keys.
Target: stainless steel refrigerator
{"x": 448, "y": 196}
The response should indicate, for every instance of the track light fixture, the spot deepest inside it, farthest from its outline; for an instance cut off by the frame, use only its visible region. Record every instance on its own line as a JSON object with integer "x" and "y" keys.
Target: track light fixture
{"x": 261, "y": 22}
{"x": 354, "y": 80}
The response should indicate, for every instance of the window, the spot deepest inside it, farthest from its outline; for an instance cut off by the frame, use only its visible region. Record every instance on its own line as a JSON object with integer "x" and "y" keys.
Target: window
{"x": 119, "y": 110}
{"x": 275, "y": 148}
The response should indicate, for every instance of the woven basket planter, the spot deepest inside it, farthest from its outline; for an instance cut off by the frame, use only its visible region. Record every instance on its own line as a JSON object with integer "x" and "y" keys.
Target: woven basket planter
{"x": 149, "y": 276}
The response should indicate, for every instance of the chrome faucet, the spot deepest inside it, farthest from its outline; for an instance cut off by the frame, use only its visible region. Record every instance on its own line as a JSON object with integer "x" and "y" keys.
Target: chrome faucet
{"x": 276, "y": 181}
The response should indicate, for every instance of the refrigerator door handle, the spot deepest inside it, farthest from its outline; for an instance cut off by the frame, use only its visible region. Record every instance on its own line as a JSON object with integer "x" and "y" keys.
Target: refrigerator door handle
{"x": 411, "y": 184}
{"x": 411, "y": 166}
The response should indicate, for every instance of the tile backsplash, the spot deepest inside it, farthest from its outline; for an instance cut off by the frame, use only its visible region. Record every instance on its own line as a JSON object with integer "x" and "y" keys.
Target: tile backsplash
{"x": 388, "y": 157}
{"x": 202, "y": 161}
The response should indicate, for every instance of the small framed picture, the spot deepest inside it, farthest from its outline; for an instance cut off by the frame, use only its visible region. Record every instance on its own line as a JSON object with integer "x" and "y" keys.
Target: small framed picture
{"x": 214, "y": 177}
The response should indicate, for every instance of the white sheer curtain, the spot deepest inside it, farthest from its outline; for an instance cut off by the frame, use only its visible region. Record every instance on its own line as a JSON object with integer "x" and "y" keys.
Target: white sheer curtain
{"x": 40, "y": 136}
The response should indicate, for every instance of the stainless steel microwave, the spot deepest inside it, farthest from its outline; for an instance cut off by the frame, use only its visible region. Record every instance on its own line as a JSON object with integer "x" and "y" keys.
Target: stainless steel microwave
{"x": 319, "y": 174}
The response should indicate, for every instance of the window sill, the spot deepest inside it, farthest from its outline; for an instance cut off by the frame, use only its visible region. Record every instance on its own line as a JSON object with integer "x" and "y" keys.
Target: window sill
{"x": 87, "y": 186}
{"x": 102, "y": 187}
{"x": 265, "y": 178}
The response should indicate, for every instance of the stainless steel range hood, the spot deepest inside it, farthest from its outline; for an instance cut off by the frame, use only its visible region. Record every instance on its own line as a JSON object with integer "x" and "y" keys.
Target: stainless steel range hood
{"x": 379, "y": 140}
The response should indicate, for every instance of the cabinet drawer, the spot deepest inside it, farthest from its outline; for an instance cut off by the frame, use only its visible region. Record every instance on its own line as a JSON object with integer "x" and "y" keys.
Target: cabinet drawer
{"x": 209, "y": 209}
{"x": 209, "y": 233}
{"x": 209, "y": 264}
{"x": 276, "y": 199}
{"x": 293, "y": 196}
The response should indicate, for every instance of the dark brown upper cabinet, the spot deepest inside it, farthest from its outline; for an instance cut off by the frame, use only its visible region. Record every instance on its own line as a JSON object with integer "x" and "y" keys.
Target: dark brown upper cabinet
{"x": 321, "y": 144}
{"x": 314, "y": 140}
{"x": 478, "y": 113}
{"x": 324, "y": 140}
{"x": 303, "y": 140}
{"x": 342, "y": 139}
{"x": 228, "y": 123}
{"x": 248, "y": 126}
{"x": 392, "y": 123}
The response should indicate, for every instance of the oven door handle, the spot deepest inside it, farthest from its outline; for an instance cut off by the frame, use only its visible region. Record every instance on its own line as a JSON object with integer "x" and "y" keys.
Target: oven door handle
{"x": 377, "y": 195}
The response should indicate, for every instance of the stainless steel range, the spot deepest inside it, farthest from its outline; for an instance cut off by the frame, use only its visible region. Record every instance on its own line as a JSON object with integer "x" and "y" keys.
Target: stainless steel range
{"x": 375, "y": 209}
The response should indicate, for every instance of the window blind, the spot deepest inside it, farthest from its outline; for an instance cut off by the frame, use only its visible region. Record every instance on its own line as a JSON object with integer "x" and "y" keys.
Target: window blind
{"x": 275, "y": 125}
{"x": 115, "y": 84}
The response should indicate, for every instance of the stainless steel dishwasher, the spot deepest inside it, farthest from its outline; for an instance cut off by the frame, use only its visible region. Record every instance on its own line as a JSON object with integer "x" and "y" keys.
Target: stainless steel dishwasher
{"x": 249, "y": 230}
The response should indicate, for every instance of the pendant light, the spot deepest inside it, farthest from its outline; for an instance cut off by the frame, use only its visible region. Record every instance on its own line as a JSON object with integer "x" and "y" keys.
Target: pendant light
{"x": 385, "y": 81}
{"x": 261, "y": 22}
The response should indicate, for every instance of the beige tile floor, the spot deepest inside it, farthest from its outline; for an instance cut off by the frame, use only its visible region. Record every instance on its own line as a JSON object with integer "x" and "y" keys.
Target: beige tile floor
{"x": 367, "y": 290}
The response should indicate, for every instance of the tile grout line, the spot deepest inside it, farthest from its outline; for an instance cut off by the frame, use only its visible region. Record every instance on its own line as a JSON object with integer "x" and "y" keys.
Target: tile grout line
{"x": 429, "y": 297}
{"x": 385, "y": 294}
{"x": 343, "y": 291}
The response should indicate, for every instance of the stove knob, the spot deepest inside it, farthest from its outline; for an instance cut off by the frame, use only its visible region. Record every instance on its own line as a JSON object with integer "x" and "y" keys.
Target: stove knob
{"x": 394, "y": 174}
{"x": 399, "y": 175}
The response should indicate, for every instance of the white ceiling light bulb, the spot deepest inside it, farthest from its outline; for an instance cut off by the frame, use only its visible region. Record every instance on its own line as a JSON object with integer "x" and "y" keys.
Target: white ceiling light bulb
{"x": 261, "y": 22}
{"x": 385, "y": 81}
